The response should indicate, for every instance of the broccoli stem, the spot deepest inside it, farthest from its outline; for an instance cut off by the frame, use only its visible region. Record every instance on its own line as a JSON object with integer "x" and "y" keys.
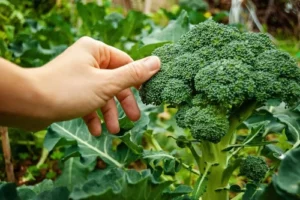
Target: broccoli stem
{"x": 236, "y": 118}
{"x": 212, "y": 153}
{"x": 196, "y": 156}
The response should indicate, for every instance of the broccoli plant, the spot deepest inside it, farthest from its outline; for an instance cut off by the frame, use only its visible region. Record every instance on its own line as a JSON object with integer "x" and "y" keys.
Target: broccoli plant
{"x": 217, "y": 77}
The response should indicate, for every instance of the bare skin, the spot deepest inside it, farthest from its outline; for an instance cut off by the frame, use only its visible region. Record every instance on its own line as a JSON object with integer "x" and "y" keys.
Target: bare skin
{"x": 87, "y": 76}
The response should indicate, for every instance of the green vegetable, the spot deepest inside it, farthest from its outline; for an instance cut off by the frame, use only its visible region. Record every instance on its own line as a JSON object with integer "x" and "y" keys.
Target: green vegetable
{"x": 254, "y": 168}
{"x": 213, "y": 124}
{"x": 220, "y": 67}
{"x": 217, "y": 77}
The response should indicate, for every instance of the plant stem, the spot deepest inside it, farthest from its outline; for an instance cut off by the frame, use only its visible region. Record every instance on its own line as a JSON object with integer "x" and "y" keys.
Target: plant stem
{"x": 155, "y": 143}
{"x": 9, "y": 167}
{"x": 199, "y": 185}
{"x": 190, "y": 169}
{"x": 196, "y": 156}
{"x": 157, "y": 147}
{"x": 43, "y": 158}
{"x": 212, "y": 153}
{"x": 236, "y": 118}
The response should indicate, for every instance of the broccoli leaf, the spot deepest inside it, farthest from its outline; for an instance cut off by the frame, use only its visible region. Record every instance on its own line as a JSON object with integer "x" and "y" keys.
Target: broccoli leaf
{"x": 8, "y": 191}
{"x": 171, "y": 33}
{"x": 73, "y": 172}
{"x": 43, "y": 191}
{"x": 118, "y": 184}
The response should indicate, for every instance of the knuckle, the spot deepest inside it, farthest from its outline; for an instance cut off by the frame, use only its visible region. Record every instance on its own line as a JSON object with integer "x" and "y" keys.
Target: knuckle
{"x": 135, "y": 71}
{"x": 86, "y": 40}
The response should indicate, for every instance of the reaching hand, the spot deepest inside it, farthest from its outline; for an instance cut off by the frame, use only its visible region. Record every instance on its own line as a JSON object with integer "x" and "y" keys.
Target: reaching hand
{"x": 87, "y": 76}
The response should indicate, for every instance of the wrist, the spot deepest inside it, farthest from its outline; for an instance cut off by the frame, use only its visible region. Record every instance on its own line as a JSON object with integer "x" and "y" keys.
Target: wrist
{"x": 23, "y": 102}
{"x": 39, "y": 96}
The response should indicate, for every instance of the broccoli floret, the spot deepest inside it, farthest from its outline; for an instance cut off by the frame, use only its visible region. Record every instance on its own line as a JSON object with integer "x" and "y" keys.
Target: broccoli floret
{"x": 151, "y": 90}
{"x": 278, "y": 63}
{"x": 226, "y": 82}
{"x": 200, "y": 100}
{"x": 208, "y": 53}
{"x": 216, "y": 66}
{"x": 263, "y": 89}
{"x": 254, "y": 168}
{"x": 206, "y": 123}
{"x": 257, "y": 42}
{"x": 180, "y": 116}
{"x": 185, "y": 67}
{"x": 208, "y": 33}
{"x": 290, "y": 92}
{"x": 175, "y": 92}
{"x": 239, "y": 51}
{"x": 173, "y": 51}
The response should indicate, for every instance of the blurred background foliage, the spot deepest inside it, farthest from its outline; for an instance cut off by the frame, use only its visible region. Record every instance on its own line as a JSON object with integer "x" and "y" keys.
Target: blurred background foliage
{"x": 32, "y": 32}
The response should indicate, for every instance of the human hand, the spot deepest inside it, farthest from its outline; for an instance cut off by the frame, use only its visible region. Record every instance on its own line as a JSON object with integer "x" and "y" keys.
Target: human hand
{"x": 87, "y": 76}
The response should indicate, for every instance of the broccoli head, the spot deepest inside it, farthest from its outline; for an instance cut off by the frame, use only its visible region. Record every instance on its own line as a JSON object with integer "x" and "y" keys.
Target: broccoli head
{"x": 207, "y": 123}
{"x": 254, "y": 168}
{"x": 214, "y": 70}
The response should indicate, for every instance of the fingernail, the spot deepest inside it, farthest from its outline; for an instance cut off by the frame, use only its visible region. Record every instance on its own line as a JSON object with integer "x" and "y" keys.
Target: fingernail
{"x": 152, "y": 63}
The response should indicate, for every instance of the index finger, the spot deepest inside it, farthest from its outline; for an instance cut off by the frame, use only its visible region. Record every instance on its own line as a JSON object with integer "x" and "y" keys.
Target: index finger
{"x": 111, "y": 57}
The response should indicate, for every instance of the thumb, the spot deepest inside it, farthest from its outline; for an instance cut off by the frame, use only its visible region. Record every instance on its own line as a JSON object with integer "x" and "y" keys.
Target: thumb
{"x": 136, "y": 73}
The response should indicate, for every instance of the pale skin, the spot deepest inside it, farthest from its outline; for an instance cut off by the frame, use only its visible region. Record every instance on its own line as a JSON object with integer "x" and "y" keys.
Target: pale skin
{"x": 87, "y": 76}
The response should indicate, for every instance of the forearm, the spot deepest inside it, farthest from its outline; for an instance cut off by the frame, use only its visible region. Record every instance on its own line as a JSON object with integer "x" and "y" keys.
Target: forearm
{"x": 22, "y": 103}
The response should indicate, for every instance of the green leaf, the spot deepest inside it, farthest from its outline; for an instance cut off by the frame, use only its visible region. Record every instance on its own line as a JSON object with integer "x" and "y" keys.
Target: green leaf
{"x": 169, "y": 163}
{"x": 3, "y": 48}
{"x": 137, "y": 149}
{"x": 202, "y": 182}
{"x": 43, "y": 191}
{"x": 30, "y": 192}
{"x": 73, "y": 172}
{"x": 141, "y": 125}
{"x": 61, "y": 193}
{"x": 75, "y": 134}
{"x": 293, "y": 127}
{"x": 132, "y": 132}
{"x": 133, "y": 23}
{"x": 89, "y": 147}
{"x": 272, "y": 125}
{"x": 90, "y": 13}
{"x": 171, "y": 167}
{"x": 271, "y": 150}
{"x": 118, "y": 184}
{"x": 220, "y": 16}
{"x": 288, "y": 178}
{"x": 8, "y": 191}
{"x": 273, "y": 192}
{"x": 178, "y": 191}
{"x": 288, "y": 117}
{"x": 171, "y": 33}
{"x": 140, "y": 51}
